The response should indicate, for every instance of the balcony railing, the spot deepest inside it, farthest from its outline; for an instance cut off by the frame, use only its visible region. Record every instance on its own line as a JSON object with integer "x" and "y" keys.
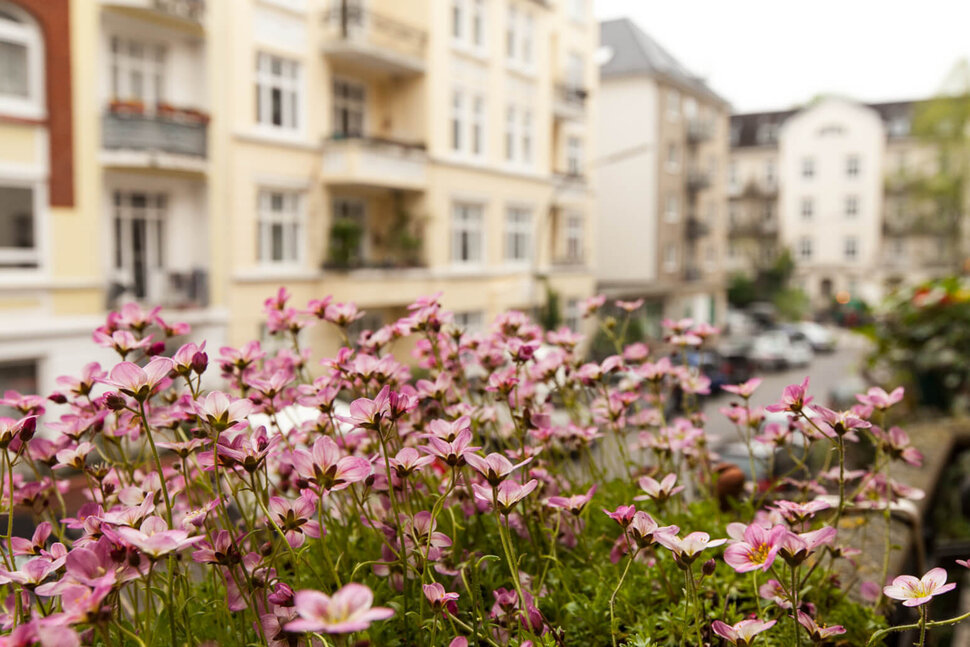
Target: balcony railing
{"x": 697, "y": 228}
{"x": 692, "y": 273}
{"x": 374, "y": 161}
{"x": 569, "y": 101}
{"x": 699, "y": 130}
{"x": 192, "y": 10}
{"x": 753, "y": 229}
{"x": 188, "y": 289}
{"x": 369, "y": 39}
{"x": 152, "y": 133}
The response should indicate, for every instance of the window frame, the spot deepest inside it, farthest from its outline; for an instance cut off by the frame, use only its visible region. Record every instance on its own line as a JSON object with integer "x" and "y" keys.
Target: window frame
{"x": 518, "y": 235}
{"x": 854, "y": 248}
{"x": 26, "y": 33}
{"x": 11, "y": 258}
{"x": 574, "y": 236}
{"x": 809, "y": 213}
{"x": 851, "y": 206}
{"x": 350, "y": 105}
{"x": 808, "y": 168}
{"x": 292, "y": 94}
{"x": 468, "y": 217}
{"x": 123, "y": 64}
{"x": 806, "y": 248}
{"x": 853, "y": 166}
{"x": 267, "y": 217}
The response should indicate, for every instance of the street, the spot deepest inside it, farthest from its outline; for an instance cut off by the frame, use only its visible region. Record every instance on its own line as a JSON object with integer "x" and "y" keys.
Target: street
{"x": 826, "y": 371}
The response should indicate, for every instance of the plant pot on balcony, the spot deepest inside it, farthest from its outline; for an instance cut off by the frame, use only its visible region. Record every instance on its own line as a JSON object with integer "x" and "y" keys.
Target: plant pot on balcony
{"x": 127, "y": 107}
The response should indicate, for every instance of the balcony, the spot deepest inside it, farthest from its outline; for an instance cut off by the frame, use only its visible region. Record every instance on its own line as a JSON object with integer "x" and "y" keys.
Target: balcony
{"x": 367, "y": 40}
{"x": 375, "y": 162}
{"x": 698, "y": 180}
{"x": 157, "y": 140}
{"x": 697, "y": 228}
{"x": 755, "y": 229}
{"x": 692, "y": 273}
{"x": 699, "y": 130}
{"x": 569, "y": 101}
{"x": 181, "y": 290}
{"x": 188, "y": 12}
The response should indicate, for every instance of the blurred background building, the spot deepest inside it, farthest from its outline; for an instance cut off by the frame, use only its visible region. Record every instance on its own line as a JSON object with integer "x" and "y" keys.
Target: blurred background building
{"x": 197, "y": 155}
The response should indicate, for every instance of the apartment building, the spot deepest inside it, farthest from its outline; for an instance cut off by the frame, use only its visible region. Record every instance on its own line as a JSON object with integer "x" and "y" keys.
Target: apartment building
{"x": 833, "y": 183}
{"x": 386, "y": 150}
{"x": 198, "y": 155}
{"x": 661, "y": 189}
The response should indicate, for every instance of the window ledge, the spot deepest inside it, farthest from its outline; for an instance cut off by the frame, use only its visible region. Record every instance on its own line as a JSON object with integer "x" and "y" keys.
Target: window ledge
{"x": 267, "y": 273}
{"x": 280, "y": 138}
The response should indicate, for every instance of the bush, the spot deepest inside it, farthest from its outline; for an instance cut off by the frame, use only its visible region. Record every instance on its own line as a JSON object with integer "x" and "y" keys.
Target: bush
{"x": 508, "y": 498}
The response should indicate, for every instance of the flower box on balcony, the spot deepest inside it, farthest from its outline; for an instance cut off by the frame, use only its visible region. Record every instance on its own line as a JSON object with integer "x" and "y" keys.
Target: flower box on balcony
{"x": 127, "y": 107}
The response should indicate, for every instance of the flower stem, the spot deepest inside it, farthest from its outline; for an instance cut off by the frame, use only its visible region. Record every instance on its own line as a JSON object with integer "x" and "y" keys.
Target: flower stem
{"x": 922, "y": 625}
{"x": 616, "y": 590}
{"x": 794, "y": 605}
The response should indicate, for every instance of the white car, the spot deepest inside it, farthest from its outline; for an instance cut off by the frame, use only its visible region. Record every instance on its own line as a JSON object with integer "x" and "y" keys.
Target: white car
{"x": 777, "y": 349}
{"x": 821, "y": 338}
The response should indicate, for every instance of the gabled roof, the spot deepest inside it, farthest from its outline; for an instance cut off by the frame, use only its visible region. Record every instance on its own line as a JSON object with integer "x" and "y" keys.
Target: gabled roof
{"x": 634, "y": 53}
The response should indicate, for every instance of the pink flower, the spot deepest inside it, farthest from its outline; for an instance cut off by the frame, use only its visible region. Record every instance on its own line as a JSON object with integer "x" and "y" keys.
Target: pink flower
{"x": 507, "y": 494}
{"x": 914, "y": 592}
{"x": 591, "y": 305}
{"x": 965, "y": 563}
{"x": 623, "y": 515}
{"x": 347, "y": 611}
{"x": 139, "y": 383}
{"x": 686, "y": 550}
{"x": 453, "y": 453}
{"x": 155, "y": 539}
{"x": 645, "y": 530}
{"x": 742, "y": 633}
{"x": 295, "y": 519}
{"x": 221, "y": 412}
{"x": 879, "y": 399}
{"x": 757, "y": 551}
{"x": 574, "y": 503}
{"x": 439, "y": 599}
{"x": 328, "y": 468}
{"x": 495, "y": 467}
{"x": 629, "y": 306}
{"x": 658, "y": 491}
{"x": 745, "y": 389}
{"x": 368, "y": 414}
{"x": 800, "y": 512}
{"x": 795, "y": 548}
{"x": 408, "y": 461}
{"x": 818, "y": 633}
{"x": 793, "y": 399}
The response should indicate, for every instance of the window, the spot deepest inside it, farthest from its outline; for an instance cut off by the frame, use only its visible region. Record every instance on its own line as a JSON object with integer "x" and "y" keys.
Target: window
{"x": 18, "y": 375}
{"x": 768, "y": 212}
{"x": 348, "y": 229}
{"x": 733, "y": 174}
{"x": 673, "y": 105}
{"x": 733, "y": 214}
{"x": 673, "y": 157}
{"x": 577, "y": 9}
{"x": 690, "y": 107}
{"x": 478, "y": 23}
{"x": 851, "y": 206}
{"x": 851, "y": 248}
{"x": 672, "y": 212}
{"x": 457, "y": 120}
{"x": 527, "y": 137}
{"x": 140, "y": 242}
{"x": 478, "y": 126}
{"x": 511, "y": 127}
{"x": 852, "y": 166}
{"x": 574, "y": 155}
{"x": 571, "y": 315}
{"x": 137, "y": 71}
{"x": 671, "y": 261}
{"x": 280, "y": 225}
{"x": 277, "y": 92}
{"x": 511, "y": 33}
{"x": 808, "y": 208}
{"x": 467, "y": 233}
{"x": 575, "y": 70}
{"x": 805, "y": 248}
{"x": 528, "y": 36}
{"x": 18, "y": 227}
{"x": 21, "y": 63}
{"x": 457, "y": 19}
{"x": 574, "y": 237}
{"x": 770, "y": 173}
{"x": 518, "y": 234}
{"x": 472, "y": 321}
{"x": 348, "y": 108}
{"x": 710, "y": 258}
{"x": 808, "y": 167}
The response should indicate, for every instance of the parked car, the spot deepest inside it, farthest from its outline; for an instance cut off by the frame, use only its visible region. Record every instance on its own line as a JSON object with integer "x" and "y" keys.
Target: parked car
{"x": 821, "y": 338}
{"x": 800, "y": 353}
{"x": 779, "y": 348}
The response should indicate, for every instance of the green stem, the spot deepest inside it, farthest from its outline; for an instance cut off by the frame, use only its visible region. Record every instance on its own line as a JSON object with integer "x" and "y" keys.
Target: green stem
{"x": 935, "y": 623}
{"x": 158, "y": 463}
{"x": 794, "y": 605}
{"x": 922, "y": 625}
{"x": 616, "y": 590}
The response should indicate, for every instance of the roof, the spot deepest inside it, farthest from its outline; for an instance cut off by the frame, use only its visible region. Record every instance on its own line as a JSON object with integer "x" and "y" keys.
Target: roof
{"x": 635, "y": 53}
{"x": 761, "y": 128}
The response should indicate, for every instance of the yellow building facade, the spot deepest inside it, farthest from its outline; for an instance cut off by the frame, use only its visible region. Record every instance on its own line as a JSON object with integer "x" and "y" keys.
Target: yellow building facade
{"x": 376, "y": 151}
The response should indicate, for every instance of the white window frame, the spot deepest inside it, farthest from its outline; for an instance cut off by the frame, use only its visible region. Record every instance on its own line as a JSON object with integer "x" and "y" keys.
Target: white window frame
{"x": 150, "y": 64}
{"x": 527, "y": 138}
{"x": 468, "y": 220}
{"x": 673, "y": 157}
{"x": 12, "y": 256}
{"x": 470, "y": 321}
{"x": 351, "y": 105}
{"x": 511, "y": 45}
{"x": 293, "y": 223}
{"x": 672, "y": 208}
{"x": 850, "y": 248}
{"x": 25, "y": 33}
{"x": 808, "y": 167}
{"x": 527, "y": 41}
{"x": 574, "y": 155}
{"x": 156, "y": 243}
{"x": 574, "y": 234}
{"x": 518, "y": 235}
{"x": 457, "y": 131}
{"x": 457, "y": 21}
{"x": 853, "y": 166}
{"x": 671, "y": 260}
{"x": 479, "y": 119}
{"x": 771, "y": 175}
{"x": 478, "y": 28}
{"x": 807, "y": 208}
{"x": 291, "y": 93}
{"x": 511, "y": 133}
{"x": 805, "y": 248}
{"x": 851, "y": 206}
{"x": 571, "y": 316}
{"x": 673, "y": 105}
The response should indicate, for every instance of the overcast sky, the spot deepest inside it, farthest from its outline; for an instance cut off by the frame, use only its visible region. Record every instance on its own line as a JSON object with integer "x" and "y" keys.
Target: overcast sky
{"x": 773, "y": 54}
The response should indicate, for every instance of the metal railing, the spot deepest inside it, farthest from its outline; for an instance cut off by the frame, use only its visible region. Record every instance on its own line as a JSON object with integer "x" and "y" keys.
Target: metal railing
{"x": 352, "y": 22}
{"x": 378, "y": 141}
{"x": 193, "y": 10}
{"x": 697, "y": 228}
{"x": 572, "y": 95}
{"x": 151, "y": 133}
{"x": 698, "y": 180}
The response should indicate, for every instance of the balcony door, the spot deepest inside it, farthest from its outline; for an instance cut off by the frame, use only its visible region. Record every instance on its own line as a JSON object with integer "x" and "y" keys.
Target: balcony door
{"x": 139, "y": 243}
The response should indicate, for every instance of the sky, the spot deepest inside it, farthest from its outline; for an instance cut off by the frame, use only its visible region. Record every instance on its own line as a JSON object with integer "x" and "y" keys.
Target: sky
{"x": 774, "y": 54}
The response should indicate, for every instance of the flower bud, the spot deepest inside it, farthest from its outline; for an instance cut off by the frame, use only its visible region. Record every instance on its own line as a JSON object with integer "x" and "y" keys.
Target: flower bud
{"x": 114, "y": 402}
{"x": 155, "y": 349}
{"x": 57, "y": 398}
{"x": 708, "y": 567}
{"x": 200, "y": 361}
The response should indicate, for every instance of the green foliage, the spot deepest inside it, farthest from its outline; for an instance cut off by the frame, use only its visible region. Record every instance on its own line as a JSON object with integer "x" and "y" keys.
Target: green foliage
{"x": 792, "y": 304}
{"x": 770, "y": 284}
{"x": 345, "y": 237}
{"x": 922, "y": 339}
{"x": 742, "y": 291}
{"x": 550, "y": 313}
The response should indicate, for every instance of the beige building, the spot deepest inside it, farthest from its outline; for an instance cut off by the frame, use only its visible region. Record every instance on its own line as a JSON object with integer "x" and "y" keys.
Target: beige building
{"x": 197, "y": 155}
{"x": 661, "y": 193}
{"x": 833, "y": 183}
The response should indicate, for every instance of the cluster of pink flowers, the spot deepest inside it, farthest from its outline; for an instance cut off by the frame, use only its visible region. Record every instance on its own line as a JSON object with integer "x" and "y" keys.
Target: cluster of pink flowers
{"x": 142, "y": 478}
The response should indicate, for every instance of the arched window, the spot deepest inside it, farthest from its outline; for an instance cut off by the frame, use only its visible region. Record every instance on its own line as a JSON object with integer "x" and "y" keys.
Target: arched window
{"x": 21, "y": 64}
